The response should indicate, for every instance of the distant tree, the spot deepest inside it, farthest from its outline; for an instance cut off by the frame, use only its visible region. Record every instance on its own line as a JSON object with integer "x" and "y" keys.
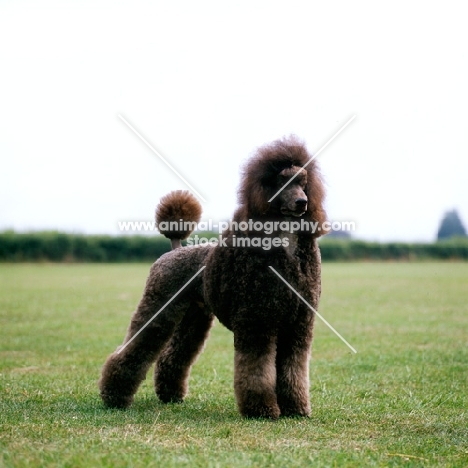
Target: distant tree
{"x": 451, "y": 226}
{"x": 339, "y": 234}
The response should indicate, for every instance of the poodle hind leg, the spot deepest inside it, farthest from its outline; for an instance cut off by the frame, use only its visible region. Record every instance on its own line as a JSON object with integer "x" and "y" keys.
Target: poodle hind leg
{"x": 172, "y": 369}
{"x": 255, "y": 375}
{"x": 126, "y": 368}
{"x": 292, "y": 366}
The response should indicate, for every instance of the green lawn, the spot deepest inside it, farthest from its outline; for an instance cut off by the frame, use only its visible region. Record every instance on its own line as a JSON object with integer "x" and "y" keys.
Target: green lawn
{"x": 402, "y": 400}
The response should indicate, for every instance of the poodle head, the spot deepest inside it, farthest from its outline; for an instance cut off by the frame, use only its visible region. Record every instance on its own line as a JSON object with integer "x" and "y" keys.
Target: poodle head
{"x": 283, "y": 163}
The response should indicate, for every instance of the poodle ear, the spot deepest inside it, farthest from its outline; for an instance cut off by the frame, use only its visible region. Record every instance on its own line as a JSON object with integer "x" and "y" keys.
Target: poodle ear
{"x": 255, "y": 190}
{"x": 258, "y": 204}
{"x": 316, "y": 198}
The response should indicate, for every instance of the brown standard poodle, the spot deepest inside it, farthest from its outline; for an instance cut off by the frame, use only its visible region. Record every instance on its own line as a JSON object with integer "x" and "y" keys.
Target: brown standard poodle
{"x": 272, "y": 326}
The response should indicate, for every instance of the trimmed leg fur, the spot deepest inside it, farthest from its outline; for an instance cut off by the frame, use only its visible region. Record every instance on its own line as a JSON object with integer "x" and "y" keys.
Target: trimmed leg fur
{"x": 255, "y": 379}
{"x": 123, "y": 372}
{"x": 292, "y": 363}
{"x": 172, "y": 369}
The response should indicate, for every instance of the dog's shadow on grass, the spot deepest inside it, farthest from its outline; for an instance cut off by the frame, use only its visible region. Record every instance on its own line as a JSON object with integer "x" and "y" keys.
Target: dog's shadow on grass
{"x": 192, "y": 409}
{"x": 146, "y": 409}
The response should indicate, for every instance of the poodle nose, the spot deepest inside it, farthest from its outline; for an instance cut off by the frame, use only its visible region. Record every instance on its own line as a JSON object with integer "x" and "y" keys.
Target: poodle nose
{"x": 301, "y": 202}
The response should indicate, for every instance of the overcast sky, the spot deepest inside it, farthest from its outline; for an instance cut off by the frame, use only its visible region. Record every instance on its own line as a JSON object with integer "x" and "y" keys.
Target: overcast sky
{"x": 208, "y": 82}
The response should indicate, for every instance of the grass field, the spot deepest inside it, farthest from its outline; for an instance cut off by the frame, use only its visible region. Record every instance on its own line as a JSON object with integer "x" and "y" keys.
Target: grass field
{"x": 402, "y": 400}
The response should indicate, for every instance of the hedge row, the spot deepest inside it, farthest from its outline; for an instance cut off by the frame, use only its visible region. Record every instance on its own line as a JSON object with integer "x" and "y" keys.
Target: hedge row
{"x": 455, "y": 249}
{"x": 61, "y": 247}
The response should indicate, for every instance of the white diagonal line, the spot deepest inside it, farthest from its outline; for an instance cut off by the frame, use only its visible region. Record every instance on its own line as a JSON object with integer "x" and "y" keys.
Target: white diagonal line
{"x": 159, "y": 156}
{"x": 313, "y": 157}
{"x": 161, "y": 309}
{"x": 310, "y": 307}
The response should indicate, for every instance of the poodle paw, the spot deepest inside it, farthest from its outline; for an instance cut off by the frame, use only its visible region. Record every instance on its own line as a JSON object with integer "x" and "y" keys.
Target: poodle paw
{"x": 171, "y": 392}
{"x": 112, "y": 400}
{"x": 292, "y": 413}
{"x": 292, "y": 410}
{"x": 168, "y": 398}
{"x": 267, "y": 412}
{"x": 259, "y": 409}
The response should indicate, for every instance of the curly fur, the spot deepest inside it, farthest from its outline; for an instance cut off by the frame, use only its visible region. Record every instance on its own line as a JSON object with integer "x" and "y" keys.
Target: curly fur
{"x": 260, "y": 175}
{"x": 272, "y": 327}
{"x": 174, "y": 207}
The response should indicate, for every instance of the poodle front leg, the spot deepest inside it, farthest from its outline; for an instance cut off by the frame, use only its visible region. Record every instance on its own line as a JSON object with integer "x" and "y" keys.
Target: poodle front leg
{"x": 255, "y": 377}
{"x": 292, "y": 364}
{"x": 126, "y": 368}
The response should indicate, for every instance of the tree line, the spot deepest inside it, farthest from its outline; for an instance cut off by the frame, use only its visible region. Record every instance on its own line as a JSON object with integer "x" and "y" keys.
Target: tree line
{"x": 65, "y": 247}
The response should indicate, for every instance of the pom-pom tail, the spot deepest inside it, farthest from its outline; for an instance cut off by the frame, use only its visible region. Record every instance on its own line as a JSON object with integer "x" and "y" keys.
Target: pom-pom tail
{"x": 177, "y": 216}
